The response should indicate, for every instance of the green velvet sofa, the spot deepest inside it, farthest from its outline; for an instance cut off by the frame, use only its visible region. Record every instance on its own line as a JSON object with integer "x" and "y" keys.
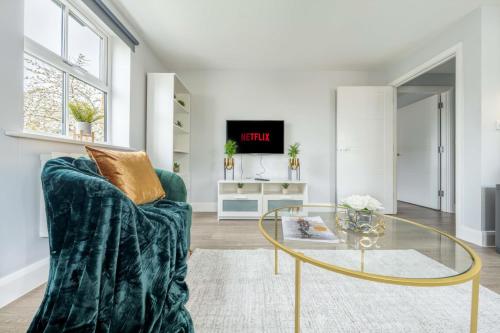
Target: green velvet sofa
{"x": 114, "y": 266}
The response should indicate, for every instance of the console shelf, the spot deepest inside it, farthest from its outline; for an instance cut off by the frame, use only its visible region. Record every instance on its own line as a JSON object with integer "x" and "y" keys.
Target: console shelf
{"x": 257, "y": 197}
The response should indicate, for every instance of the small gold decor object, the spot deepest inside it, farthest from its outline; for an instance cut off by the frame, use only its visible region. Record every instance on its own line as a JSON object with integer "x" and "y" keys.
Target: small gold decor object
{"x": 294, "y": 167}
{"x": 294, "y": 163}
{"x": 228, "y": 165}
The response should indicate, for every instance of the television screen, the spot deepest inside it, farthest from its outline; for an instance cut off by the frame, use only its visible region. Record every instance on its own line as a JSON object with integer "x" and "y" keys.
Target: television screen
{"x": 257, "y": 136}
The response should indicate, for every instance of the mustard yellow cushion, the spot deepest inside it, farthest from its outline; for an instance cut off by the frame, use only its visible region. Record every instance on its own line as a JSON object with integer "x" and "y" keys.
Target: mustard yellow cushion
{"x": 131, "y": 172}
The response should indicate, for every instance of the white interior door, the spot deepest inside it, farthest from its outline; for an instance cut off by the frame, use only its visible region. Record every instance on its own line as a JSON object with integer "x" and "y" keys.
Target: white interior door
{"x": 365, "y": 143}
{"x": 418, "y": 167}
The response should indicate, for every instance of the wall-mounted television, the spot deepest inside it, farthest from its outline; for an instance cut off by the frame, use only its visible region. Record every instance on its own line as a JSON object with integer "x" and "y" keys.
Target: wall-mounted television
{"x": 257, "y": 136}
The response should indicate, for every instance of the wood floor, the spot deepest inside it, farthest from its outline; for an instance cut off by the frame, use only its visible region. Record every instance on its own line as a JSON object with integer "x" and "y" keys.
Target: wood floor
{"x": 209, "y": 234}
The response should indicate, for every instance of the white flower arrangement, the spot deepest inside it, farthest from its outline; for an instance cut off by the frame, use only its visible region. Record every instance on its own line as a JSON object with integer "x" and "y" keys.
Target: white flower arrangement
{"x": 361, "y": 203}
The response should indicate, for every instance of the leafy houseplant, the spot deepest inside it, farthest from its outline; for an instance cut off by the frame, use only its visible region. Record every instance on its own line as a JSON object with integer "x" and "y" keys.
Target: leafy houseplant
{"x": 239, "y": 189}
{"x": 293, "y": 152}
{"x": 177, "y": 167}
{"x": 284, "y": 188}
{"x": 230, "y": 149}
{"x": 85, "y": 114}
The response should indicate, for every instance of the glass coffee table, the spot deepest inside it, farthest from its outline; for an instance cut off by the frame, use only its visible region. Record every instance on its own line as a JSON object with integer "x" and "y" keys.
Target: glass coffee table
{"x": 394, "y": 251}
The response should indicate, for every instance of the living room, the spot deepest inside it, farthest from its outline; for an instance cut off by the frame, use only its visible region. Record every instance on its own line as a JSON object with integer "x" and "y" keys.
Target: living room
{"x": 263, "y": 166}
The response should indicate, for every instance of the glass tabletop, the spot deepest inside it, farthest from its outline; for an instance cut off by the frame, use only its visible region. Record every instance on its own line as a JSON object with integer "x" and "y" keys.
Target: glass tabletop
{"x": 378, "y": 244}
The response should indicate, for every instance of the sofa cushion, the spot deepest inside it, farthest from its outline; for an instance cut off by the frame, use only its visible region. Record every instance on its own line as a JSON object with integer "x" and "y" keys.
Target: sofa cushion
{"x": 131, "y": 172}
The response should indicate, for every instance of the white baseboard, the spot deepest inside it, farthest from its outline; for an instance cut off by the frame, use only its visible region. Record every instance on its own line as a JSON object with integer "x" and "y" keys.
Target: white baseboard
{"x": 204, "y": 207}
{"x": 478, "y": 237}
{"x": 23, "y": 281}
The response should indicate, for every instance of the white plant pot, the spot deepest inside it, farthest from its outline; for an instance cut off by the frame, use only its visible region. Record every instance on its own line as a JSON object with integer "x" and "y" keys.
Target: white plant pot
{"x": 239, "y": 190}
{"x": 284, "y": 190}
{"x": 83, "y": 127}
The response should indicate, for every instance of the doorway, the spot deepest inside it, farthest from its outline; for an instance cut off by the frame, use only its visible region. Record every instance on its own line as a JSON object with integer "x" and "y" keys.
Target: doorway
{"x": 426, "y": 139}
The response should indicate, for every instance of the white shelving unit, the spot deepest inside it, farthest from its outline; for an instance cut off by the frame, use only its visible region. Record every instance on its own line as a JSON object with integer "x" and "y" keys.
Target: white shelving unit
{"x": 167, "y": 142}
{"x": 257, "y": 197}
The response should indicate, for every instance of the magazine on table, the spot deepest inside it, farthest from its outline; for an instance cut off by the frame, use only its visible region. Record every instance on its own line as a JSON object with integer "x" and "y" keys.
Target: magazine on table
{"x": 307, "y": 228}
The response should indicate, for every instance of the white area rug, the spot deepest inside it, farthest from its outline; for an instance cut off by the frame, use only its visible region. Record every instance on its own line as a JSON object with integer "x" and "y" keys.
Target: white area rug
{"x": 235, "y": 291}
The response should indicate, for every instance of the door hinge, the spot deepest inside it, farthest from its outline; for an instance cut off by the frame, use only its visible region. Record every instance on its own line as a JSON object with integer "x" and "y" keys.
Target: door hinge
{"x": 440, "y": 193}
{"x": 440, "y": 105}
{"x": 440, "y": 149}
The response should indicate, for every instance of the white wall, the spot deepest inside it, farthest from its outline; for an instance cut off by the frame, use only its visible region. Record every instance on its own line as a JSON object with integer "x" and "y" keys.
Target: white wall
{"x": 304, "y": 100}
{"x": 479, "y": 34}
{"x": 20, "y": 245}
{"x": 490, "y": 112}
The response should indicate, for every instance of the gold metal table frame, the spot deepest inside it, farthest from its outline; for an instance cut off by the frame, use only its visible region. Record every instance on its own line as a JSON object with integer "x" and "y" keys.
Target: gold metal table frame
{"x": 473, "y": 273}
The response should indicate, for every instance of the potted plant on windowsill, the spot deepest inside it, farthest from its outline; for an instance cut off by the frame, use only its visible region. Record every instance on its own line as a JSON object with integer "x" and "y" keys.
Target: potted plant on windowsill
{"x": 284, "y": 188}
{"x": 239, "y": 188}
{"x": 293, "y": 153}
{"x": 85, "y": 114}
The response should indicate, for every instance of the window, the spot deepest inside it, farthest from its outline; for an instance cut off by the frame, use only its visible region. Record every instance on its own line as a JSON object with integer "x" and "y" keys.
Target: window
{"x": 65, "y": 61}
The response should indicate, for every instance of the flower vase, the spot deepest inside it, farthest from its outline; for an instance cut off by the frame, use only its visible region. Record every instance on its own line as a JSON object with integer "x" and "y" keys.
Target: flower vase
{"x": 83, "y": 128}
{"x": 360, "y": 220}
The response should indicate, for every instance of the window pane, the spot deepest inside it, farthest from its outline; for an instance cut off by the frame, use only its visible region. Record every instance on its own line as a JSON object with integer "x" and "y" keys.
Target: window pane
{"x": 43, "y": 96}
{"x": 88, "y": 97}
{"x": 43, "y": 23}
{"x": 84, "y": 46}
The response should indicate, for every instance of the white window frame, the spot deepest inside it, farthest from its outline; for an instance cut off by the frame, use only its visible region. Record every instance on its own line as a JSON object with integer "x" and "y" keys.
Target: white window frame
{"x": 62, "y": 63}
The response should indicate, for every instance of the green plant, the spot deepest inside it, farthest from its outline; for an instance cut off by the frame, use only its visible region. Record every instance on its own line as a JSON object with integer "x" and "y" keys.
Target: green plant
{"x": 240, "y": 185}
{"x": 178, "y": 123}
{"x": 84, "y": 112}
{"x": 230, "y": 148}
{"x": 293, "y": 150}
{"x": 181, "y": 102}
{"x": 285, "y": 185}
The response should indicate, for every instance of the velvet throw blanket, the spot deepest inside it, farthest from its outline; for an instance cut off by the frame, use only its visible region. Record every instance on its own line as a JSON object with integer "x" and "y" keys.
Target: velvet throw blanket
{"x": 114, "y": 266}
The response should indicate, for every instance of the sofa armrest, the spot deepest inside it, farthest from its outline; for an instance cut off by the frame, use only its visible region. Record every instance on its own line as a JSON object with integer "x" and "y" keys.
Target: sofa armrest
{"x": 173, "y": 185}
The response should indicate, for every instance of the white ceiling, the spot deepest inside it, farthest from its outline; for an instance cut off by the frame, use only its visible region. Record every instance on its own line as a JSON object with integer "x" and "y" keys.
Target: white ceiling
{"x": 289, "y": 34}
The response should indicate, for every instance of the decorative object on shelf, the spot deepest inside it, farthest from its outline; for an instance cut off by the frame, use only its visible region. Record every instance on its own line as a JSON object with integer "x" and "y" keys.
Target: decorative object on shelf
{"x": 177, "y": 167}
{"x": 360, "y": 215}
{"x": 181, "y": 102}
{"x": 284, "y": 188}
{"x": 230, "y": 149}
{"x": 239, "y": 188}
{"x": 179, "y": 123}
{"x": 85, "y": 114}
{"x": 293, "y": 161}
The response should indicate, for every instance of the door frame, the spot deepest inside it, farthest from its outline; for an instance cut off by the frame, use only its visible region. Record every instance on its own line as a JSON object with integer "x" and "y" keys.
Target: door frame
{"x": 456, "y": 52}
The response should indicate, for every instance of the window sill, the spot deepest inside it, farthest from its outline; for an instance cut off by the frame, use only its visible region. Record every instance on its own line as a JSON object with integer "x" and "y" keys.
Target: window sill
{"x": 61, "y": 139}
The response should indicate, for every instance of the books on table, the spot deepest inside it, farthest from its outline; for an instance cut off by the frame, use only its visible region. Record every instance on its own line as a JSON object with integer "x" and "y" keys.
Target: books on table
{"x": 307, "y": 228}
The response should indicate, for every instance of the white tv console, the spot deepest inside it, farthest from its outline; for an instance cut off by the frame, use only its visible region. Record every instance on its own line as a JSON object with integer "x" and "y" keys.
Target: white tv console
{"x": 257, "y": 197}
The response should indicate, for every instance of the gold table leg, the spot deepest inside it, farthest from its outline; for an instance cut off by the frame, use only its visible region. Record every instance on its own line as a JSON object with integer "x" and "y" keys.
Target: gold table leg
{"x": 276, "y": 238}
{"x": 297, "y": 294}
{"x": 474, "y": 305}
